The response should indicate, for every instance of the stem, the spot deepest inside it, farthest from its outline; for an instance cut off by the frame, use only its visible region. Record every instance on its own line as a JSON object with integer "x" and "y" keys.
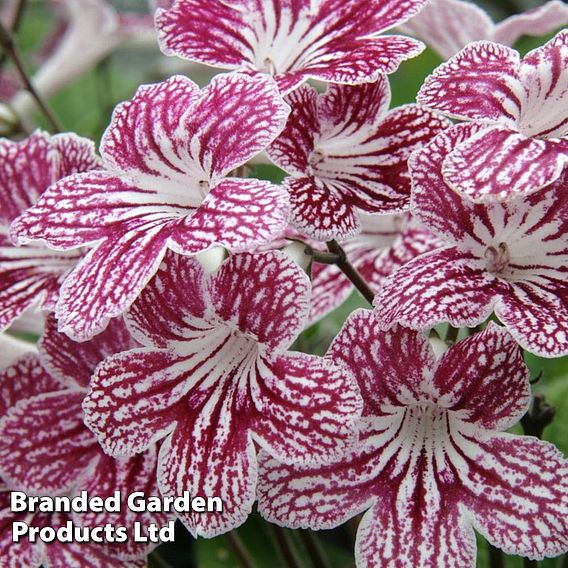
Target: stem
{"x": 11, "y": 51}
{"x": 284, "y": 546}
{"x": 538, "y": 417}
{"x": 528, "y": 563}
{"x": 350, "y": 271}
{"x": 315, "y": 552}
{"x": 158, "y": 561}
{"x": 495, "y": 557}
{"x": 452, "y": 334}
{"x": 14, "y": 25}
{"x": 239, "y": 550}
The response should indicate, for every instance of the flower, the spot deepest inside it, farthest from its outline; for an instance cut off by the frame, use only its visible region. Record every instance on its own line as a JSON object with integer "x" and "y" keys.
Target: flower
{"x": 214, "y": 379}
{"x": 465, "y": 22}
{"x": 333, "y": 40}
{"x": 385, "y": 243}
{"x": 510, "y": 258}
{"x": 346, "y": 153}
{"x": 432, "y": 462}
{"x": 46, "y": 449}
{"x": 33, "y": 274}
{"x": 523, "y": 105}
{"x": 165, "y": 157}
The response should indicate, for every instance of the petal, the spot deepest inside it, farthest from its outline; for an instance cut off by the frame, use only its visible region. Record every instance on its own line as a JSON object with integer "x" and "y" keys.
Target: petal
{"x": 166, "y": 309}
{"x": 76, "y": 154}
{"x": 516, "y": 492}
{"x": 237, "y": 117}
{"x": 387, "y": 536}
{"x": 209, "y": 454}
{"x": 319, "y": 211}
{"x": 305, "y": 408}
{"x": 363, "y": 60}
{"x": 463, "y": 23}
{"x": 29, "y": 275}
{"x": 44, "y": 445}
{"x": 12, "y": 349}
{"x": 498, "y": 164}
{"x": 109, "y": 279}
{"x": 134, "y": 398}
{"x": 84, "y": 208}
{"x": 26, "y": 378}
{"x": 442, "y": 286}
{"x": 544, "y": 73}
{"x": 145, "y": 139}
{"x": 71, "y": 363}
{"x": 389, "y": 366}
{"x": 291, "y": 150}
{"x": 481, "y": 82}
{"x": 208, "y": 32}
{"x": 537, "y": 316}
{"x": 238, "y": 214}
{"x": 538, "y": 22}
{"x": 484, "y": 379}
{"x": 128, "y": 476}
{"x": 274, "y": 304}
{"x": 27, "y": 169}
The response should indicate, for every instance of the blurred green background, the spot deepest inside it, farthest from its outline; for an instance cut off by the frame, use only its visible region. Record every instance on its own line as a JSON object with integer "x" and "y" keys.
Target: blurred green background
{"x": 85, "y": 107}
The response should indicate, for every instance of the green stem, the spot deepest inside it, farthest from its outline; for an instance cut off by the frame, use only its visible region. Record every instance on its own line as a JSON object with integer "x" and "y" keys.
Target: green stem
{"x": 285, "y": 547}
{"x": 239, "y": 550}
{"x": 8, "y": 45}
{"x": 495, "y": 557}
{"x": 315, "y": 551}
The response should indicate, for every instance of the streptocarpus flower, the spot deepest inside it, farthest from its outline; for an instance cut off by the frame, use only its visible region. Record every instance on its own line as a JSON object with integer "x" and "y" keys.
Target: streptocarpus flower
{"x": 510, "y": 258}
{"x": 523, "y": 105}
{"x": 385, "y": 243}
{"x": 165, "y": 157}
{"x": 331, "y": 40}
{"x": 346, "y": 153}
{"x": 449, "y": 25}
{"x": 34, "y": 274}
{"x": 45, "y": 447}
{"x": 432, "y": 462}
{"x": 215, "y": 380}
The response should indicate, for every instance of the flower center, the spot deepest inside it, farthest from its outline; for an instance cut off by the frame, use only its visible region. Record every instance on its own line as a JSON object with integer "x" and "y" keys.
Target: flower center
{"x": 497, "y": 259}
{"x": 316, "y": 158}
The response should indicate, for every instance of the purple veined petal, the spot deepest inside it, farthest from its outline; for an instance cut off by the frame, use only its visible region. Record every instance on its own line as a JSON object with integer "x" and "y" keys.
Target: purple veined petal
{"x": 236, "y": 117}
{"x": 27, "y": 168}
{"x": 274, "y": 305}
{"x": 464, "y": 22}
{"x": 484, "y": 379}
{"x": 26, "y": 378}
{"x": 479, "y": 83}
{"x": 79, "y": 554}
{"x": 11, "y": 350}
{"x": 84, "y": 208}
{"x": 324, "y": 496}
{"x": 209, "y": 454}
{"x": 516, "y": 493}
{"x": 77, "y": 154}
{"x": 168, "y": 304}
{"x": 238, "y": 214}
{"x": 291, "y": 39}
{"x": 385, "y": 373}
{"x": 387, "y": 534}
{"x": 497, "y": 164}
{"x": 72, "y": 363}
{"x": 145, "y": 139}
{"x": 292, "y": 148}
{"x": 109, "y": 279}
{"x": 305, "y": 408}
{"x": 44, "y": 445}
{"x": 30, "y": 275}
{"x": 544, "y": 74}
{"x": 130, "y": 475}
{"x": 539, "y": 21}
{"x": 440, "y": 286}
{"x": 536, "y": 314}
{"x": 318, "y": 211}
{"x": 136, "y": 396}
{"x": 433, "y": 203}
